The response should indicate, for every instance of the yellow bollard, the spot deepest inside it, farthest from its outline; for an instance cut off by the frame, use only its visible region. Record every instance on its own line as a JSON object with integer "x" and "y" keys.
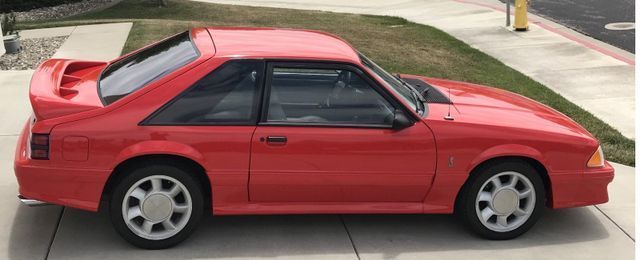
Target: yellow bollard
{"x": 521, "y": 21}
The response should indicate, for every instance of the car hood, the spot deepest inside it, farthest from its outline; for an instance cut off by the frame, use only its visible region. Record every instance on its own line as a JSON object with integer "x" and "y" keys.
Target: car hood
{"x": 491, "y": 106}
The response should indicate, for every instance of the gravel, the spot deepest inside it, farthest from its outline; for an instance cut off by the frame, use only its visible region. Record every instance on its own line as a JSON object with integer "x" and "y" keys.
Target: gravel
{"x": 34, "y": 51}
{"x": 59, "y": 11}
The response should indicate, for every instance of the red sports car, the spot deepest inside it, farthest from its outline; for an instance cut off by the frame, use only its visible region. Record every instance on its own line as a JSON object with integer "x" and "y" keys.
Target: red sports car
{"x": 234, "y": 121}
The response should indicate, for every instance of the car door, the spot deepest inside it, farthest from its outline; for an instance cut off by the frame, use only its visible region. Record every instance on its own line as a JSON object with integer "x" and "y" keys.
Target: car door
{"x": 325, "y": 135}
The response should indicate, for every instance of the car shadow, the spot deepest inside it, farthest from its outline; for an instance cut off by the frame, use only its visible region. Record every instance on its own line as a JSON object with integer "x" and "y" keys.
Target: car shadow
{"x": 90, "y": 235}
{"x": 393, "y": 236}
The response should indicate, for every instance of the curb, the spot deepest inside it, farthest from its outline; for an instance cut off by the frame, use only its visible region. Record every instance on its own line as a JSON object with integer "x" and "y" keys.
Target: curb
{"x": 586, "y": 41}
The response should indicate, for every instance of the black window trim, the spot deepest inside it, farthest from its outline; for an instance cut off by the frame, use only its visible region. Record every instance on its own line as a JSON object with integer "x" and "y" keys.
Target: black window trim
{"x": 260, "y": 106}
{"x": 255, "y": 108}
{"x": 193, "y": 44}
{"x": 317, "y": 64}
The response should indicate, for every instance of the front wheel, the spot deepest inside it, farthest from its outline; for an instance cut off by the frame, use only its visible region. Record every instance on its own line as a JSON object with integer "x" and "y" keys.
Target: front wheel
{"x": 503, "y": 200}
{"x": 156, "y": 206}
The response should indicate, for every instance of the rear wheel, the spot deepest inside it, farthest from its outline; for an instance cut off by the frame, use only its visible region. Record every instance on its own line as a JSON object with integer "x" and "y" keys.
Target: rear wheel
{"x": 156, "y": 206}
{"x": 503, "y": 200}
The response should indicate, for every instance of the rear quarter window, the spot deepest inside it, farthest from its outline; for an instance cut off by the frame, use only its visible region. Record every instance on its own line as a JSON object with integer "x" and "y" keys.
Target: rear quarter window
{"x": 226, "y": 96}
{"x": 131, "y": 73}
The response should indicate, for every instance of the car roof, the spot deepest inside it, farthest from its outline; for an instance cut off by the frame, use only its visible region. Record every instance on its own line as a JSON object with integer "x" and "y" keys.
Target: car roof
{"x": 276, "y": 43}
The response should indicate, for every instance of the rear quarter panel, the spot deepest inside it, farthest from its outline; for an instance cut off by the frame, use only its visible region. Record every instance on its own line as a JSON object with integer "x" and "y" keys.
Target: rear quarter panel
{"x": 114, "y": 135}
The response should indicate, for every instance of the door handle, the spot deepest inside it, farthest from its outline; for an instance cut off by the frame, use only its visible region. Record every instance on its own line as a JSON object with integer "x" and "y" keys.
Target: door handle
{"x": 276, "y": 139}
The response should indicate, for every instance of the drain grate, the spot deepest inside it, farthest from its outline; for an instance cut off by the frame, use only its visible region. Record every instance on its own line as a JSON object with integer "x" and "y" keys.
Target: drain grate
{"x": 620, "y": 26}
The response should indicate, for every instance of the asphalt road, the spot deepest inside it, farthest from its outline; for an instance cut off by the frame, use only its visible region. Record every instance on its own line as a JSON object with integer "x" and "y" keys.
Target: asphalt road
{"x": 590, "y": 17}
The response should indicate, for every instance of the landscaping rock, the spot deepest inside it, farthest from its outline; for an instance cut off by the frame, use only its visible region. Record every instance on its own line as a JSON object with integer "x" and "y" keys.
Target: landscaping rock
{"x": 34, "y": 51}
{"x": 59, "y": 11}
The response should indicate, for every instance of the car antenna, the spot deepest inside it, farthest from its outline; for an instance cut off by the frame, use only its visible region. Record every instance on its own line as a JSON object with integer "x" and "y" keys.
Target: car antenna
{"x": 448, "y": 116}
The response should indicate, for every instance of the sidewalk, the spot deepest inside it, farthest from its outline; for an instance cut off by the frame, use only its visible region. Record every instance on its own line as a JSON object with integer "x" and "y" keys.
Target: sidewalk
{"x": 622, "y": 204}
{"x": 99, "y": 42}
{"x": 593, "y": 75}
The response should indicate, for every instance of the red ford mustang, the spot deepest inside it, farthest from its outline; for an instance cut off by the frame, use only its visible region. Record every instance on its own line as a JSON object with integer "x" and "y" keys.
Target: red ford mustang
{"x": 232, "y": 121}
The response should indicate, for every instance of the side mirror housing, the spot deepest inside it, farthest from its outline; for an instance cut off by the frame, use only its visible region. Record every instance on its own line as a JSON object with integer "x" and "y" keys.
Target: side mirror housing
{"x": 401, "y": 120}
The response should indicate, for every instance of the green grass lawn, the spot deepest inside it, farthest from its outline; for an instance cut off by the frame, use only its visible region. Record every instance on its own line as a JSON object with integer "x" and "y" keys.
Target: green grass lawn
{"x": 394, "y": 43}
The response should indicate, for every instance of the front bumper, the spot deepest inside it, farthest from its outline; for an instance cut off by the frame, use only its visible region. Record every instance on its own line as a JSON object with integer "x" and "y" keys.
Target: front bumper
{"x": 582, "y": 188}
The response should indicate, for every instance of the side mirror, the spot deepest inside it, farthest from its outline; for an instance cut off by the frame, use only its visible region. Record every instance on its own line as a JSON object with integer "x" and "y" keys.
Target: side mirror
{"x": 400, "y": 120}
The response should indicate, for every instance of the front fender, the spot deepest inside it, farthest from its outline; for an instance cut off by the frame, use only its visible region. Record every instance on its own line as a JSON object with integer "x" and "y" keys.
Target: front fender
{"x": 506, "y": 150}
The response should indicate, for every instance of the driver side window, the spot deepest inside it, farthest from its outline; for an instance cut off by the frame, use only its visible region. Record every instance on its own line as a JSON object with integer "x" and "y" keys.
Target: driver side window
{"x": 325, "y": 97}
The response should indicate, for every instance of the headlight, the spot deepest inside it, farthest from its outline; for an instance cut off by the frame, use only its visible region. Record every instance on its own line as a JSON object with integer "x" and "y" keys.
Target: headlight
{"x": 597, "y": 159}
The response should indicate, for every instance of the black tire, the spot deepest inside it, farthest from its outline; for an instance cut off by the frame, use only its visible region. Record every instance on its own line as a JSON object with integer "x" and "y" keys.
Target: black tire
{"x": 136, "y": 174}
{"x": 466, "y": 204}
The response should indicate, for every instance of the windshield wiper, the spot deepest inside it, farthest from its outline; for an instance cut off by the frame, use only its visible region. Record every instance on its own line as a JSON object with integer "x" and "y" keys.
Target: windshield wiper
{"x": 419, "y": 105}
{"x": 413, "y": 90}
{"x": 417, "y": 96}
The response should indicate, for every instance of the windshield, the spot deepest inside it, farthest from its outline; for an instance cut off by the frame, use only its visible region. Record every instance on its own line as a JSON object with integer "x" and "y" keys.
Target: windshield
{"x": 395, "y": 84}
{"x": 139, "y": 69}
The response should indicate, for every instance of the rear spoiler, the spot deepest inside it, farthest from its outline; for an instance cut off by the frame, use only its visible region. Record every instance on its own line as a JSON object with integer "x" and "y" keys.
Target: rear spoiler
{"x": 62, "y": 87}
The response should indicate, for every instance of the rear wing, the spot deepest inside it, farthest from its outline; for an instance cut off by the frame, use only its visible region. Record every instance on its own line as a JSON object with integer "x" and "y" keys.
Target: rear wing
{"x": 61, "y": 87}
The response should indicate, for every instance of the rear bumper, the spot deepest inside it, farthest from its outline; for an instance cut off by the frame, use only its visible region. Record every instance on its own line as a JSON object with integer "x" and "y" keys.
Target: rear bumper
{"x": 31, "y": 202}
{"x": 41, "y": 183}
{"x": 581, "y": 189}
{"x": 76, "y": 188}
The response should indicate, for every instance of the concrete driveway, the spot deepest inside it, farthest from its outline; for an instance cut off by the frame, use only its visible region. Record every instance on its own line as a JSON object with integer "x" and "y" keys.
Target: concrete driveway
{"x": 57, "y": 233}
{"x": 602, "y": 232}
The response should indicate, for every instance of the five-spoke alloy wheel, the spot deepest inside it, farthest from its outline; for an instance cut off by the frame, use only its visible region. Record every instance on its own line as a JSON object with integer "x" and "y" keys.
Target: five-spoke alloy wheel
{"x": 156, "y": 206}
{"x": 502, "y": 200}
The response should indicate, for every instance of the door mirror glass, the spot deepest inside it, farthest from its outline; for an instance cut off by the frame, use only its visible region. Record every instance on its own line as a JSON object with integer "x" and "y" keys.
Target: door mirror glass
{"x": 400, "y": 120}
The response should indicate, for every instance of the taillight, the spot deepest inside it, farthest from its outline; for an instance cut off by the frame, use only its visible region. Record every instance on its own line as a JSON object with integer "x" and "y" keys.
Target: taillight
{"x": 40, "y": 146}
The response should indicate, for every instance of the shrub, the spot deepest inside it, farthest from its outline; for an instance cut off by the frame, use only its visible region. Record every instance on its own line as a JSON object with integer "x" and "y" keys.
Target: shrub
{"x": 8, "y": 23}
